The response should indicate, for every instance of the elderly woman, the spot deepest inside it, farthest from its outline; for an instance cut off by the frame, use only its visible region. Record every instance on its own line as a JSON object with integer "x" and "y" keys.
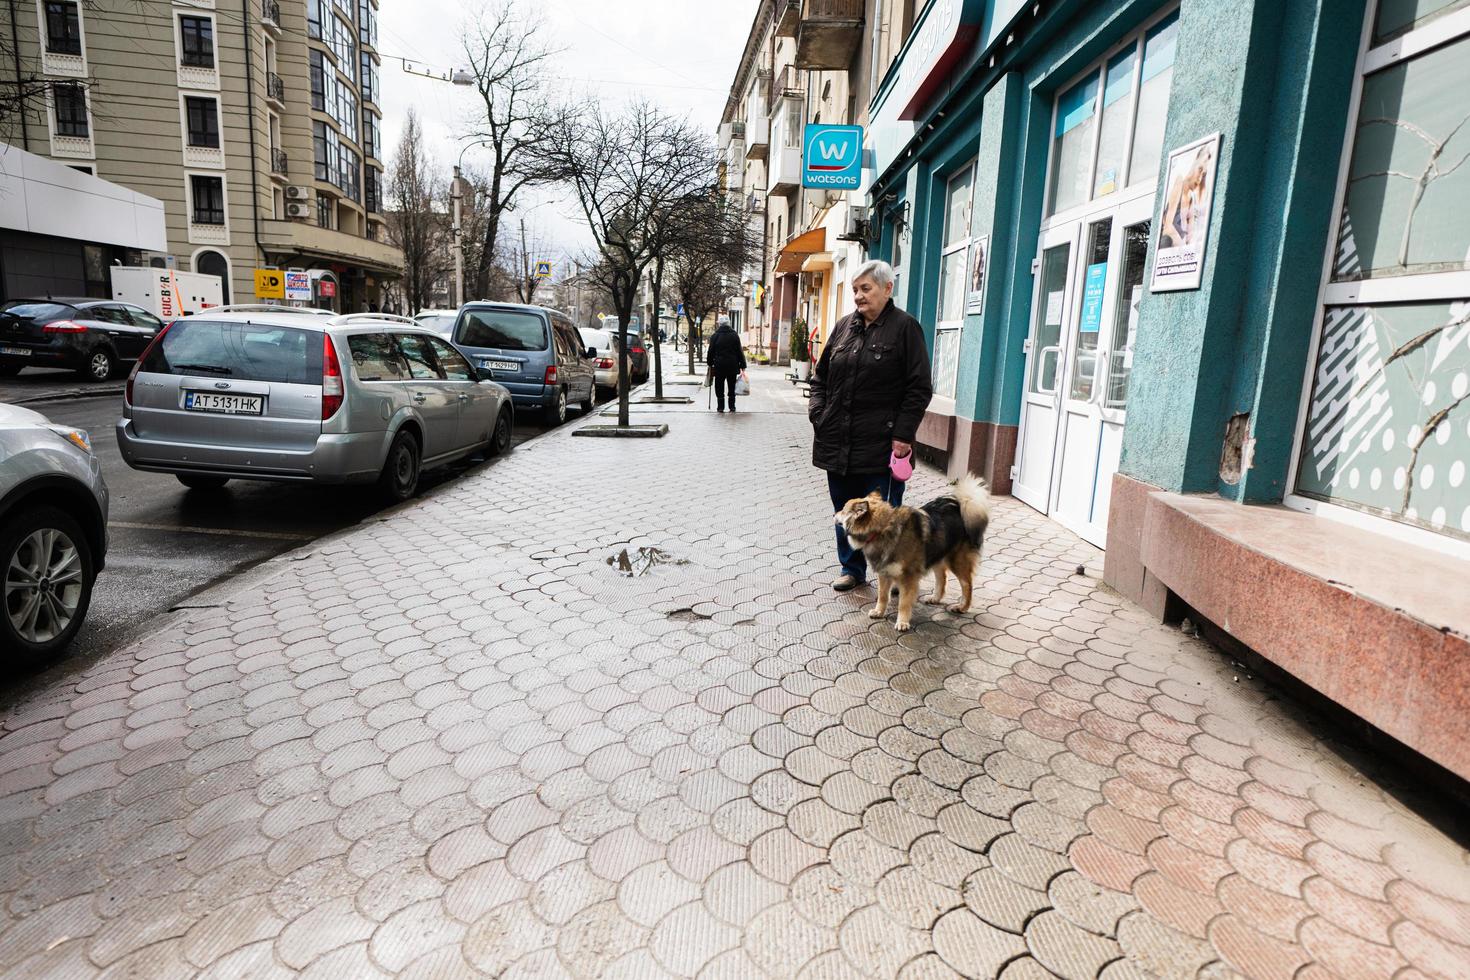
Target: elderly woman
{"x": 868, "y": 395}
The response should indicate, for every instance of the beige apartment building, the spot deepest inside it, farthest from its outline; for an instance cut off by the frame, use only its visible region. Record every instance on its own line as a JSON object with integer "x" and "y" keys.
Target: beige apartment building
{"x": 805, "y": 62}
{"x": 255, "y": 122}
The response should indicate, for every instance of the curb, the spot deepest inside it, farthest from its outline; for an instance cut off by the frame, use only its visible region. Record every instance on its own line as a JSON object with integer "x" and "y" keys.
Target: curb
{"x": 71, "y": 395}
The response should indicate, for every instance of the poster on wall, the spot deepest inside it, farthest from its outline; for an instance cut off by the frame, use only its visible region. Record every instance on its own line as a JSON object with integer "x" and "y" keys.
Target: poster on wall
{"x": 1184, "y": 230}
{"x": 975, "y": 299}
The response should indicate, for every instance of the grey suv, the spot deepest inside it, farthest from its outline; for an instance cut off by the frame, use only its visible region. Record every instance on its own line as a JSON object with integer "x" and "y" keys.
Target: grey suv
{"x": 534, "y": 352}
{"x": 283, "y": 395}
{"x": 53, "y": 532}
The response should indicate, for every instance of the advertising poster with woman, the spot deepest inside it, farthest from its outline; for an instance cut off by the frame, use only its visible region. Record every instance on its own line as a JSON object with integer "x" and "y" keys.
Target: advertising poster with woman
{"x": 1184, "y": 230}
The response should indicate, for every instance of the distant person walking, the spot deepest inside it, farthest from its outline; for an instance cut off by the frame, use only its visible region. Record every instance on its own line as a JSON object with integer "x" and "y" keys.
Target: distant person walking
{"x": 868, "y": 396}
{"x": 726, "y": 360}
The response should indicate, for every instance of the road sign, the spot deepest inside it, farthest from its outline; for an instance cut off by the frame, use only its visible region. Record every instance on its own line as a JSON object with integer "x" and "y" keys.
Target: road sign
{"x": 543, "y": 270}
{"x": 832, "y": 157}
{"x": 298, "y": 284}
{"x": 679, "y": 310}
{"x": 270, "y": 284}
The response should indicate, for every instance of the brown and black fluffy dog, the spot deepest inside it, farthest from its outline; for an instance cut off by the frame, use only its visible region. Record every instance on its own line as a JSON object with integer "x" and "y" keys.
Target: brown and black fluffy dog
{"x": 902, "y": 543}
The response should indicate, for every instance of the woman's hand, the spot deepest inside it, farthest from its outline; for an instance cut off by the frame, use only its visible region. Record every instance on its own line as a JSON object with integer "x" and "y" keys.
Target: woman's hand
{"x": 901, "y": 449}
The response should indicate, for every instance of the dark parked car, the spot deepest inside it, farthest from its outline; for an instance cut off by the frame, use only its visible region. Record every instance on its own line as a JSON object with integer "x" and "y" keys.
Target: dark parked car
{"x": 93, "y": 337}
{"x": 533, "y": 351}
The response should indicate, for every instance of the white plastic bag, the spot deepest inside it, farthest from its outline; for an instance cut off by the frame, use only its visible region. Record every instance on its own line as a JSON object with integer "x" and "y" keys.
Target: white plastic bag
{"x": 742, "y": 384}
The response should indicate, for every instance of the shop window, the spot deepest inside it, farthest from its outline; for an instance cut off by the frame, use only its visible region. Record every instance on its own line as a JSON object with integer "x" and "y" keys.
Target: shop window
{"x": 1125, "y": 314}
{"x": 1112, "y": 140}
{"x": 1109, "y": 128}
{"x": 63, "y": 27}
{"x": 1395, "y": 17}
{"x": 208, "y": 200}
{"x": 1153, "y": 99}
{"x": 953, "y": 281}
{"x": 1387, "y": 425}
{"x": 1409, "y": 178}
{"x": 1084, "y": 360}
{"x": 70, "y": 103}
{"x": 202, "y": 115}
{"x": 196, "y": 42}
{"x": 1071, "y": 153}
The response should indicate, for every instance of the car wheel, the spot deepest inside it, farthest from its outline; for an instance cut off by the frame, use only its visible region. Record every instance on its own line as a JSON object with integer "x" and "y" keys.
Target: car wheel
{"x": 500, "y": 435}
{"x": 556, "y": 412}
{"x": 400, "y": 477}
{"x": 195, "y": 481}
{"x": 100, "y": 365}
{"x": 48, "y": 575}
{"x": 9, "y": 370}
{"x": 589, "y": 404}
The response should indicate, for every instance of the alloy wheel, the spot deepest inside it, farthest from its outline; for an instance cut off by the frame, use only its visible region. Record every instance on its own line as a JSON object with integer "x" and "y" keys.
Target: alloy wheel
{"x": 100, "y": 366}
{"x": 43, "y": 585}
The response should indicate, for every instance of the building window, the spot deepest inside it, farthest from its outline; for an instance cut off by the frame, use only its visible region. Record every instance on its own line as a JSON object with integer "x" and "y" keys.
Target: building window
{"x": 372, "y": 136}
{"x": 202, "y": 115}
{"x": 366, "y": 78}
{"x": 319, "y": 69}
{"x": 208, "y": 199}
{"x": 326, "y": 211}
{"x": 952, "y": 280}
{"x": 1094, "y": 151}
{"x": 1387, "y": 426}
{"x": 372, "y": 189}
{"x": 212, "y": 263}
{"x": 63, "y": 27}
{"x": 70, "y": 101}
{"x": 196, "y": 42}
{"x": 367, "y": 23}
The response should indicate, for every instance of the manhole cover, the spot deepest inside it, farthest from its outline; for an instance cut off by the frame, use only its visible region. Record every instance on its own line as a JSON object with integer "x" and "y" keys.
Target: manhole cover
{"x": 640, "y": 561}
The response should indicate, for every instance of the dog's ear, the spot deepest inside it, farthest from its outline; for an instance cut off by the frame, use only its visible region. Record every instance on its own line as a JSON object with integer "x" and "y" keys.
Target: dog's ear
{"x": 875, "y": 497}
{"x": 860, "y": 506}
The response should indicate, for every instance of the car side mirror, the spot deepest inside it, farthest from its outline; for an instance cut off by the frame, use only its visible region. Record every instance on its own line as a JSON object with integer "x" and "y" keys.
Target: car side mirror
{"x": 591, "y": 353}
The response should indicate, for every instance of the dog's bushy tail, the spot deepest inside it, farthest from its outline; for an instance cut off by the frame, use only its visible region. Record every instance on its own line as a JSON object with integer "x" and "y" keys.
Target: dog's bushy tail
{"x": 974, "y": 501}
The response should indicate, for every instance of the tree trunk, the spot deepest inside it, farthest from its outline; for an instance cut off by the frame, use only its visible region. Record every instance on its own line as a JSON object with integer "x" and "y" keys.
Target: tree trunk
{"x": 624, "y": 305}
{"x": 658, "y": 360}
{"x": 689, "y": 337}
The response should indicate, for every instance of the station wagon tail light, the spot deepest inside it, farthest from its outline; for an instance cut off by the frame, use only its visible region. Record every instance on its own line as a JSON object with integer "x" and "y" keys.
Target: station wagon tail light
{"x": 551, "y": 374}
{"x": 63, "y": 326}
{"x": 138, "y": 364}
{"x": 331, "y": 379}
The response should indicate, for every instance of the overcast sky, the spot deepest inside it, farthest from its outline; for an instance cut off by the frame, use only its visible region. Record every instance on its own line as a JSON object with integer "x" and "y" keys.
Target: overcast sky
{"x": 680, "y": 53}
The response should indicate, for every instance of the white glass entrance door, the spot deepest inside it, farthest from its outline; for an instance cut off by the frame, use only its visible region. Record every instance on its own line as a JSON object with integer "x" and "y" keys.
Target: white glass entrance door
{"x": 1080, "y": 355}
{"x": 1108, "y": 283}
{"x": 1044, "y": 370}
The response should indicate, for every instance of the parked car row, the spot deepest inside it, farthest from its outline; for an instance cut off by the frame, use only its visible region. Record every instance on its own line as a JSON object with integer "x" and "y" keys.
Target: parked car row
{"x": 260, "y": 392}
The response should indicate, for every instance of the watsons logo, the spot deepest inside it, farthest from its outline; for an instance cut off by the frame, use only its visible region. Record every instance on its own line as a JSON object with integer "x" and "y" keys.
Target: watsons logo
{"x": 832, "y": 157}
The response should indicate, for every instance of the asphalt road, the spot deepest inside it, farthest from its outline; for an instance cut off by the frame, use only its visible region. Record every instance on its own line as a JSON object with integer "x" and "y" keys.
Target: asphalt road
{"x": 168, "y": 543}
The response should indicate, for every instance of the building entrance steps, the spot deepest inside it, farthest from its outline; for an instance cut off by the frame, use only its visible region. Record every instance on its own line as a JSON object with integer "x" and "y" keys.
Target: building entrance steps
{"x": 471, "y": 739}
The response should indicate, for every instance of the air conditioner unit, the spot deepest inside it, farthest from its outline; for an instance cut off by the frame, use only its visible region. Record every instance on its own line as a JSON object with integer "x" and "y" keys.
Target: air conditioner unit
{"x": 298, "y": 192}
{"x": 296, "y": 209}
{"x": 858, "y": 226}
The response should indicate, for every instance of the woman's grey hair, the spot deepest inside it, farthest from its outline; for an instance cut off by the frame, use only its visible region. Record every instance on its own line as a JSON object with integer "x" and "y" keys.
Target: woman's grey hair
{"x": 879, "y": 271}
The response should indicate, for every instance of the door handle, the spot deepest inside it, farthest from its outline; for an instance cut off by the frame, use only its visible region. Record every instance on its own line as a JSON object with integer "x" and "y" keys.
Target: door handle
{"x": 464, "y": 398}
{"x": 419, "y": 398}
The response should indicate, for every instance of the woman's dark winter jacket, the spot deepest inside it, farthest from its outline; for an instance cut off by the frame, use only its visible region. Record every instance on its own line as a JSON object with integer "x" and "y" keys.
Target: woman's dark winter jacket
{"x": 870, "y": 387}
{"x": 725, "y": 356}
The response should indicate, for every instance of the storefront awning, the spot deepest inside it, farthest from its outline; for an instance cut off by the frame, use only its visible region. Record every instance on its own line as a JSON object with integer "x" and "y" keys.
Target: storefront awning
{"x": 794, "y": 253}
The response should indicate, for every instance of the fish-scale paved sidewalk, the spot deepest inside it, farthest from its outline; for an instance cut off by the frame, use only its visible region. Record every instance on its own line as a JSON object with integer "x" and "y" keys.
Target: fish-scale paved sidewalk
{"x": 456, "y": 742}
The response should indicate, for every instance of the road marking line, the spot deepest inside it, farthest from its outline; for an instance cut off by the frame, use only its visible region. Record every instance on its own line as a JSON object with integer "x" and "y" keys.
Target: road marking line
{"x": 183, "y": 528}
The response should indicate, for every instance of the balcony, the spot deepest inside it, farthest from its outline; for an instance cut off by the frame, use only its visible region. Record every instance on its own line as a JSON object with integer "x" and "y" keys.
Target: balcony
{"x": 788, "y": 83}
{"x": 278, "y": 163}
{"x": 788, "y": 17}
{"x": 296, "y": 241}
{"x": 829, "y": 34}
{"x": 270, "y": 15}
{"x": 275, "y": 89}
{"x": 757, "y": 137}
{"x": 785, "y": 169}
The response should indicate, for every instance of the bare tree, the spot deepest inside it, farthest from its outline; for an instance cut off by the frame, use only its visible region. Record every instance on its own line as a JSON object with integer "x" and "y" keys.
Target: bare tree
{"x": 627, "y": 169}
{"x": 706, "y": 264}
{"x": 509, "y": 58}
{"x": 415, "y": 224}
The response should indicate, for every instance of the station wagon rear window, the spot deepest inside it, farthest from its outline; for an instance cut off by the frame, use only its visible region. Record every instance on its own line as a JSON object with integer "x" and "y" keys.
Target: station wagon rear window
{"x": 503, "y": 330}
{"x": 376, "y": 357}
{"x": 239, "y": 351}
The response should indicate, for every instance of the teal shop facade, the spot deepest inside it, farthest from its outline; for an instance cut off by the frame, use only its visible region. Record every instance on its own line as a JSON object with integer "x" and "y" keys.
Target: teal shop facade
{"x": 1281, "y": 449}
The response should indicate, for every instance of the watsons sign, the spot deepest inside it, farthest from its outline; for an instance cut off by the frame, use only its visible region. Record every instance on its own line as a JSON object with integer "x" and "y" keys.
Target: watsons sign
{"x": 832, "y": 157}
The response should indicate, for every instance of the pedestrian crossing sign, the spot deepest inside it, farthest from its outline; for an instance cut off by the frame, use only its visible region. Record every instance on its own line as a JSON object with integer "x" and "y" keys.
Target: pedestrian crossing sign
{"x": 543, "y": 270}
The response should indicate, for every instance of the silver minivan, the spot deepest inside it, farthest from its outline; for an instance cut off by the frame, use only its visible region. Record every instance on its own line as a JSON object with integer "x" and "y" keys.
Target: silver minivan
{"x": 274, "y": 394}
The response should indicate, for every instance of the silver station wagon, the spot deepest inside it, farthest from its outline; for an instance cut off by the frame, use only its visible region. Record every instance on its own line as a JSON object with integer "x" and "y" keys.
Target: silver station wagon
{"x": 271, "y": 393}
